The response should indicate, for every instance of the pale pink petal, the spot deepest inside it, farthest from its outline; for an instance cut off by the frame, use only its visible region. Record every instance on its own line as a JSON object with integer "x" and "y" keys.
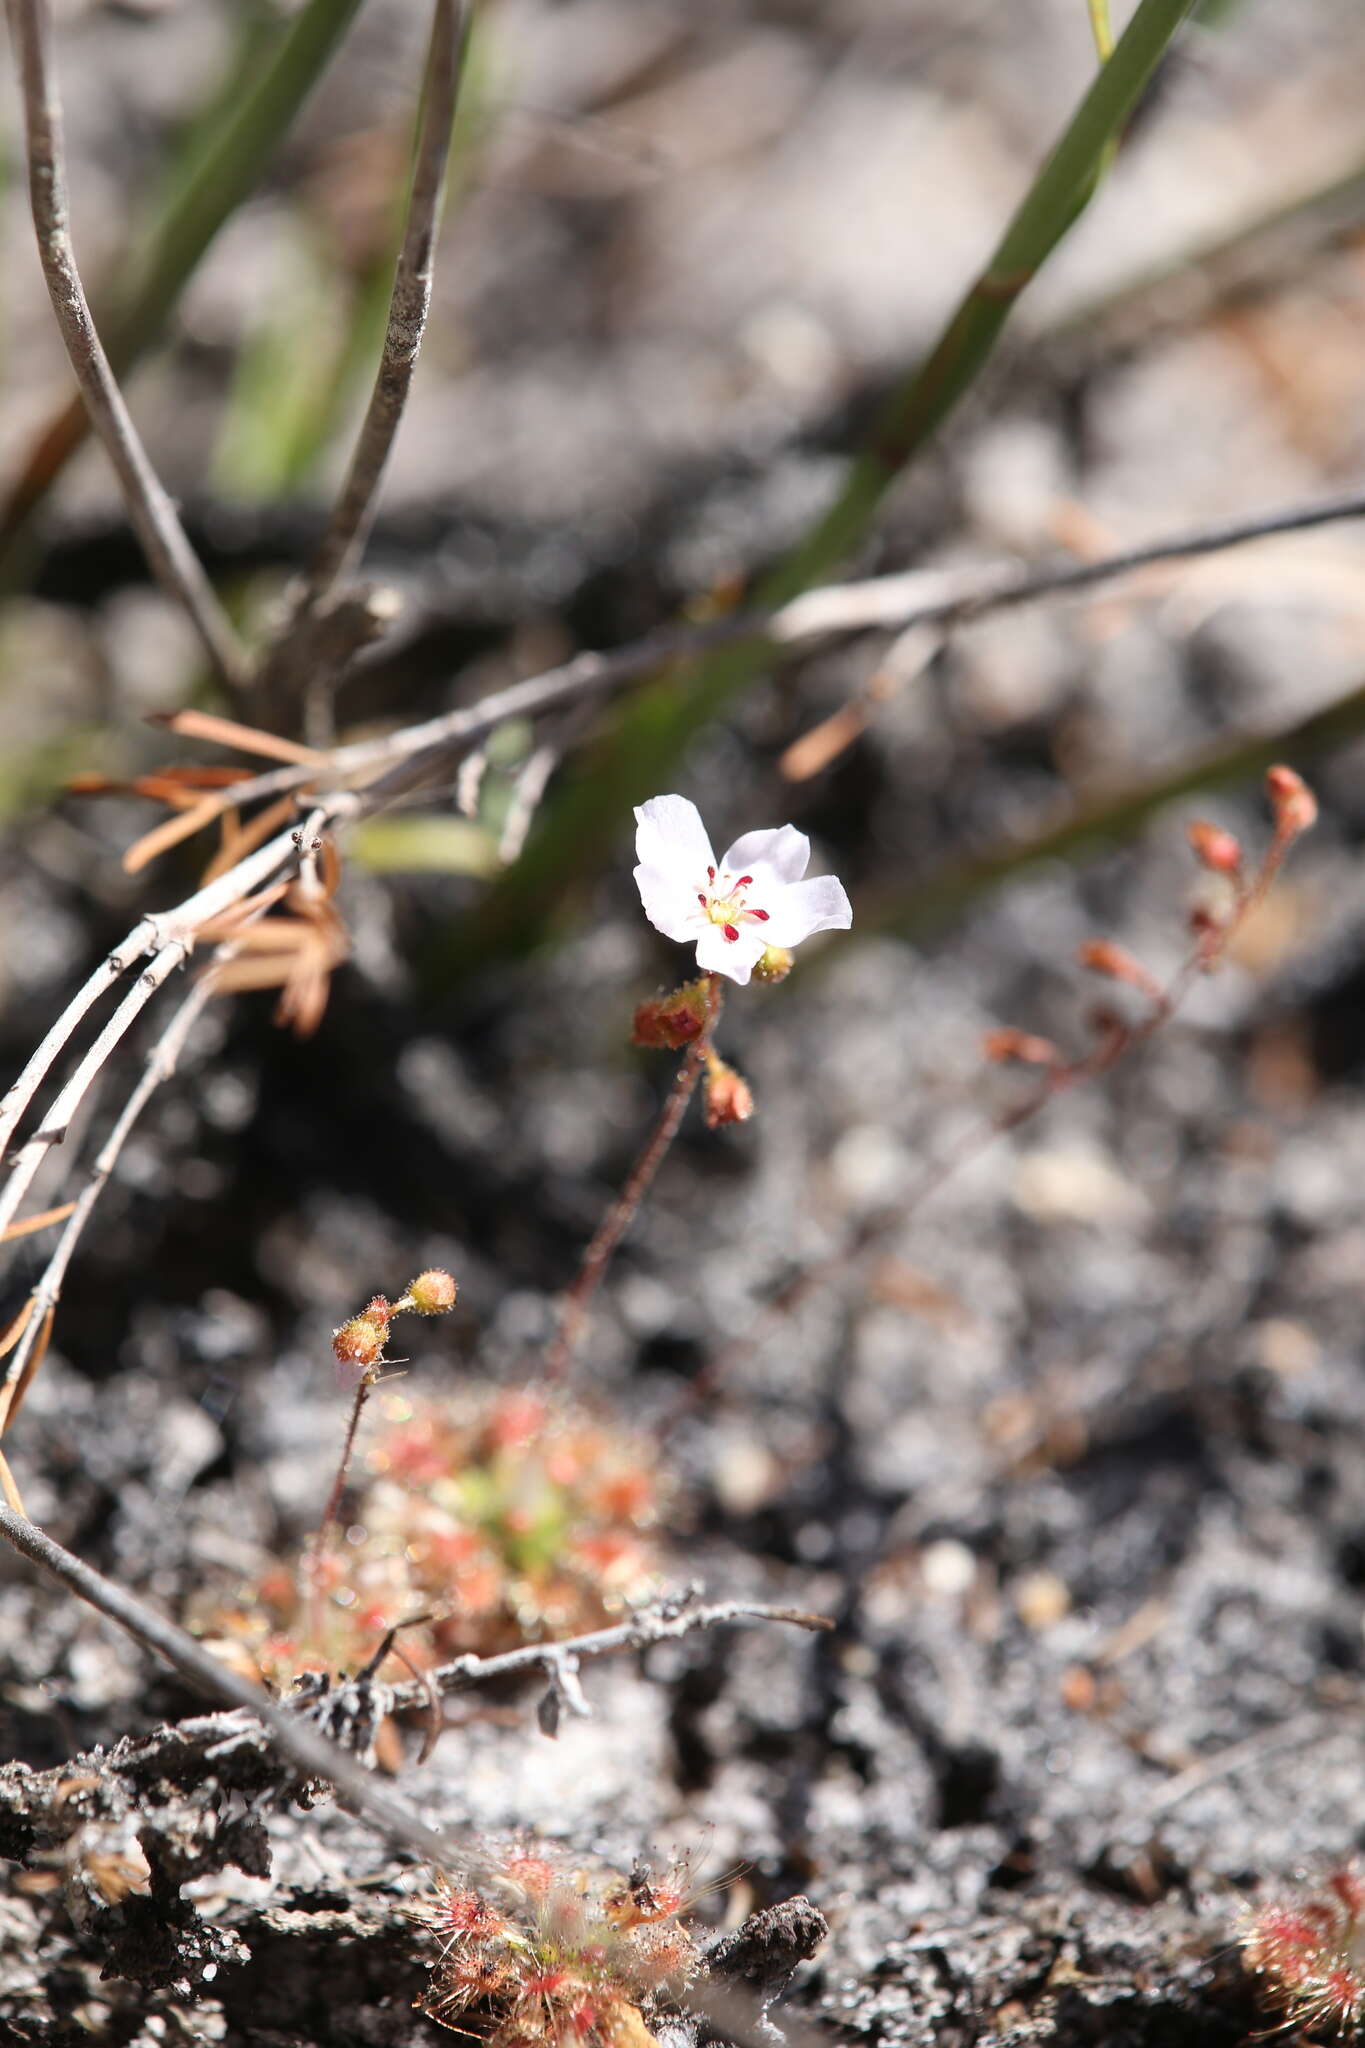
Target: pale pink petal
{"x": 733, "y": 957}
{"x": 816, "y": 906}
{"x": 670, "y": 902}
{"x": 670, "y": 835}
{"x": 783, "y": 852}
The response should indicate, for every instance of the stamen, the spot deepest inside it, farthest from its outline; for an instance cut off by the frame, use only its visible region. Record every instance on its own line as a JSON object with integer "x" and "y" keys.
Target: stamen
{"x": 710, "y": 874}
{"x": 744, "y": 881}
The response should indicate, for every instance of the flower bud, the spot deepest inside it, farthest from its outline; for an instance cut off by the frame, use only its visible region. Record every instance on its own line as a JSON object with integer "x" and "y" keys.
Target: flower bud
{"x": 361, "y": 1341}
{"x": 727, "y": 1098}
{"x": 1292, "y": 801}
{"x": 430, "y": 1294}
{"x": 1215, "y": 849}
{"x": 675, "y": 1020}
{"x": 774, "y": 965}
{"x": 1102, "y": 956}
{"x": 1009, "y": 1044}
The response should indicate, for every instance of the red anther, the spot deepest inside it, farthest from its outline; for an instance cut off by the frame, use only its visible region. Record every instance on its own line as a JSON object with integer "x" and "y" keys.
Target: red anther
{"x": 710, "y": 874}
{"x": 730, "y": 931}
{"x": 744, "y": 881}
{"x": 701, "y": 898}
{"x": 761, "y": 915}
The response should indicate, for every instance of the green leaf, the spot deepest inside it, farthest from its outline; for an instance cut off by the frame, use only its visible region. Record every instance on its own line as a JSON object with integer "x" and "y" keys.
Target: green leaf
{"x": 432, "y": 843}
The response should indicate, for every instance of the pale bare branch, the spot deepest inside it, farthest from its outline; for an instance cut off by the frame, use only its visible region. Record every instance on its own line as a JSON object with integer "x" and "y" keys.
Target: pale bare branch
{"x": 160, "y": 1064}
{"x": 311, "y": 1753}
{"x": 350, "y": 522}
{"x": 153, "y": 934}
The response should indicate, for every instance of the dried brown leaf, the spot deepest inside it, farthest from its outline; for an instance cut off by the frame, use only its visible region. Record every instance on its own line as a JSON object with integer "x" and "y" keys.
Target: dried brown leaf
{"x": 25, "y": 1380}
{"x": 13, "y": 1331}
{"x": 171, "y": 832}
{"x": 226, "y": 732}
{"x": 29, "y": 1224}
{"x": 11, "y": 1492}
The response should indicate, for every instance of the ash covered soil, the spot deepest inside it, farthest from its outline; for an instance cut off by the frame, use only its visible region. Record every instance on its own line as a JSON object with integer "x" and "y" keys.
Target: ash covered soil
{"x": 1076, "y": 1460}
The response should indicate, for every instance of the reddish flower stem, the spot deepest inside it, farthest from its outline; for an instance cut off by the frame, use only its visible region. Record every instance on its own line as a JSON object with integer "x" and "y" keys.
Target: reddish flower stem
{"x": 330, "y": 1512}
{"x": 573, "y": 1310}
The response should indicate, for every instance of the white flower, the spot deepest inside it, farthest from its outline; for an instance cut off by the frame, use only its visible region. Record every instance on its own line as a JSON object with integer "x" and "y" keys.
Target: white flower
{"x": 732, "y": 909}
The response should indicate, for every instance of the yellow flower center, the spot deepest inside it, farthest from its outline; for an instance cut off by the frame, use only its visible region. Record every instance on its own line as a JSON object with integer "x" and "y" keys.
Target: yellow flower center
{"x": 729, "y": 911}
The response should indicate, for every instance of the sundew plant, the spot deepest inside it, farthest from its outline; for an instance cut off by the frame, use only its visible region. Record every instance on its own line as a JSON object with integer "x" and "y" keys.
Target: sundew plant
{"x": 875, "y": 1377}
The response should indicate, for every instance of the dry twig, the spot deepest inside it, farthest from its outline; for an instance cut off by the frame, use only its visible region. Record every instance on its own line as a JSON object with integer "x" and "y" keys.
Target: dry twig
{"x": 328, "y": 623}
{"x": 291, "y": 1729}
{"x": 353, "y": 515}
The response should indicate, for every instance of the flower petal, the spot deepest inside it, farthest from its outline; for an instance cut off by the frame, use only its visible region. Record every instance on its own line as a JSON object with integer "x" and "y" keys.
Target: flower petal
{"x": 784, "y": 851}
{"x": 818, "y": 905}
{"x": 670, "y": 835}
{"x": 735, "y": 958}
{"x": 670, "y": 902}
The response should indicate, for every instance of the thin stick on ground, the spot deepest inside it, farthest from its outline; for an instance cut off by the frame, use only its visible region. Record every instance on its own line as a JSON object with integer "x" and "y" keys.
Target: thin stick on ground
{"x": 312, "y": 1753}
{"x": 154, "y": 517}
{"x": 573, "y": 1313}
{"x": 665, "y": 1621}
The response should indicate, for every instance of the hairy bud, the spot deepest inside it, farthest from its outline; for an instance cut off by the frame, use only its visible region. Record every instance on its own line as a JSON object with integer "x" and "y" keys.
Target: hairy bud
{"x": 1292, "y": 801}
{"x": 727, "y": 1097}
{"x": 1102, "y": 956}
{"x": 1215, "y": 849}
{"x": 1008, "y": 1044}
{"x": 674, "y": 1020}
{"x": 430, "y": 1294}
{"x": 774, "y": 965}
{"x": 361, "y": 1341}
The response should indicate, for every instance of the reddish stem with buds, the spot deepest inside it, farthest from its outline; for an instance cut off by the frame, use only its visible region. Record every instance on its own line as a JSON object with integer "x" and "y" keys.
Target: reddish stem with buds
{"x": 1294, "y": 810}
{"x": 321, "y": 1542}
{"x": 573, "y": 1313}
